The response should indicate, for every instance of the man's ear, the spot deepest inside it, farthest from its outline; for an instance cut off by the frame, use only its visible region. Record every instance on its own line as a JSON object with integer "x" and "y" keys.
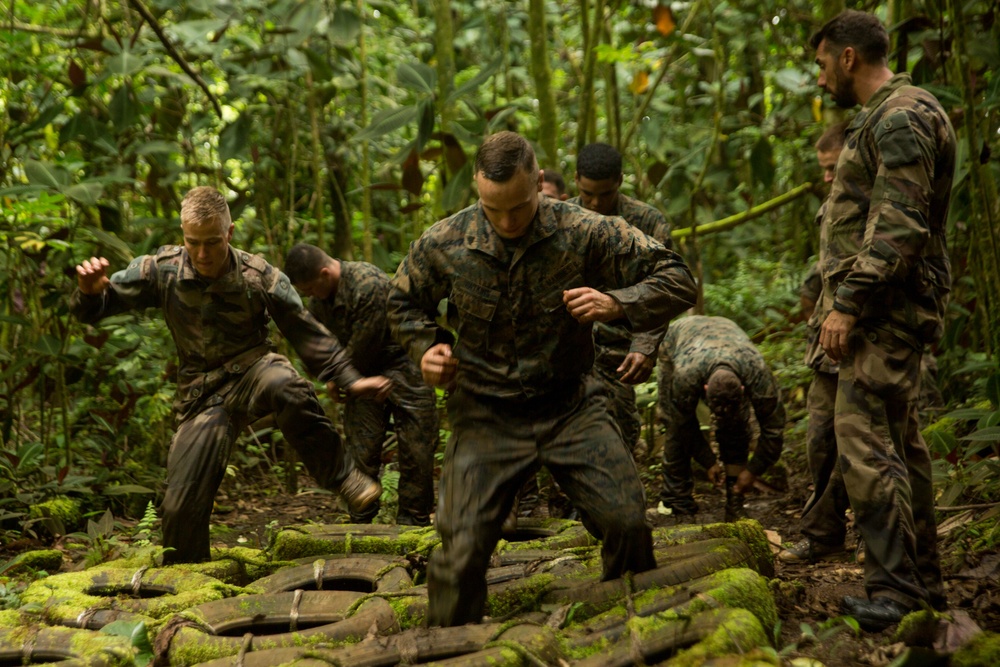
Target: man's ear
{"x": 848, "y": 58}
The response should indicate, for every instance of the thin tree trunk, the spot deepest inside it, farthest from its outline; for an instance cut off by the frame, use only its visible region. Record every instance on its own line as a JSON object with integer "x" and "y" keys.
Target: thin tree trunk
{"x": 548, "y": 124}
{"x": 584, "y": 123}
{"x": 367, "y": 244}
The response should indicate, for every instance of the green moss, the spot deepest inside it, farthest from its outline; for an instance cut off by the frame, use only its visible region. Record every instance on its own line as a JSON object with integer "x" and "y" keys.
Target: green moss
{"x": 737, "y": 631}
{"x": 520, "y": 595}
{"x": 49, "y": 560}
{"x": 292, "y": 544}
{"x": 59, "y": 515}
{"x": 984, "y": 649}
{"x": 919, "y": 628}
{"x": 410, "y": 610}
{"x": 572, "y": 536}
{"x": 10, "y": 618}
{"x": 747, "y": 531}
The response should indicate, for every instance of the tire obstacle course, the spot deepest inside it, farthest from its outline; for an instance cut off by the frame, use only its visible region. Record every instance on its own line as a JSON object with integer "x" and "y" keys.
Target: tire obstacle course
{"x": 354, "y": 595}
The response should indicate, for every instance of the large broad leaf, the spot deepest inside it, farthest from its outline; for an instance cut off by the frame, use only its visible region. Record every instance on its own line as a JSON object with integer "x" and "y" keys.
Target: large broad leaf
{"x": 234, "y": 137}
{"x": 478, "y": 80}
{"x": 306, "y": 16}
{"x": 991, "y": 434}
{"x": 794, "y": 80}
{"x": 196, "y": 32}
{"x": 344, "y": 28}
{"x": 47, "y": 345}
{"x": 762, "y": 162}
{"x": 386, "y": 121}
{"x": 501, "y": 117}
{"x": 426, "y": 127}
{"x": 413, "y": 178}
{"x": 417, "y": 77}
{"x": 45, "y": 174}
{"x": 122, "y": 108}
{"x": 457, "y": 189}
{"x": 125, "y": 63}
{"x": 967, "y": 413}
{"x": 85, "y": 194}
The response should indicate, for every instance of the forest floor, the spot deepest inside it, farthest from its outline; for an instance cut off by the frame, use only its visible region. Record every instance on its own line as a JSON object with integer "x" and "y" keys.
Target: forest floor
{"x": 810, "y": 625}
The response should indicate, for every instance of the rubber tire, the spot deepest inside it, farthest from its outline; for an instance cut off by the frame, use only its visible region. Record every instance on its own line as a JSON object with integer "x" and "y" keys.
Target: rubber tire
{"x": 383, "y": 574}
{"x": 44, "y": 645}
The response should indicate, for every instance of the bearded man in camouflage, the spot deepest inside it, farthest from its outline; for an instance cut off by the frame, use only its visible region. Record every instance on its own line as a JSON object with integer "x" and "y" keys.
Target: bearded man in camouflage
{"x": 349, "y": 299}
{"x": 886, "y": 278}
{"x": 526, "y": 277}
{"x": 217, "y": 301}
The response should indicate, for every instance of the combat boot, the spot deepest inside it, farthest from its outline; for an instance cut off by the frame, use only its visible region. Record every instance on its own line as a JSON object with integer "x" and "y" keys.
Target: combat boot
{"x": 734, "y": 502}
{"x": 359, "y": 491}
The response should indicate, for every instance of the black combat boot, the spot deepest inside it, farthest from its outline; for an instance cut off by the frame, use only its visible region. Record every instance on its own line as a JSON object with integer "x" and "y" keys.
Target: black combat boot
{"x": 734, "y": 502}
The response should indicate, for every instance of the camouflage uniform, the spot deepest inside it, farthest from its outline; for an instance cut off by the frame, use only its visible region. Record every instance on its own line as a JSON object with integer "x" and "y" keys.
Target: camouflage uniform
{"x": 228, "y": 376}
{"x": 612, "y": 343}
{"x": 524, "y": 396}
{"x": 824, "y": 517}
{"x": 884, "y": 259}
{"x": 693, "y": 349}
{"x": 355, "y": 314}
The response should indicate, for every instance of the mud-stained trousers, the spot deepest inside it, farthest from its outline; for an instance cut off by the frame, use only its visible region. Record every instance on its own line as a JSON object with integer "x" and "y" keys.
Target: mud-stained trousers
{"x": 887, "y": 469}
{"x": 495, "y": 445}
{"x": 621, "y": 396}
{"x": 207, "y": 429}
{"x": 824, "y": 515}
{"x": 412, "y": 406}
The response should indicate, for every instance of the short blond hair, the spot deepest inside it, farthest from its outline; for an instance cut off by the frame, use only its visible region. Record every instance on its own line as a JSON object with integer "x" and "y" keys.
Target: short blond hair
{"x": 205, "y": 204}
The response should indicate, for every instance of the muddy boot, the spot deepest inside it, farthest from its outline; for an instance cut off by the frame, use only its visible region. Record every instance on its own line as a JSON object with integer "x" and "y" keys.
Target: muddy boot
{"x": 734, "y": 502}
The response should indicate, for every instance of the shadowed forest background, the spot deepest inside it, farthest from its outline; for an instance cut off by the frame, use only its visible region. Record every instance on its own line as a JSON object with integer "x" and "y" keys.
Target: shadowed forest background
{"x": 352, "y": 125}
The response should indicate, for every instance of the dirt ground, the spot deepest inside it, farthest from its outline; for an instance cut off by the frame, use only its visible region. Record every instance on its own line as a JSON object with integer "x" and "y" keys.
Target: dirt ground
{"x": 808, "y": 596}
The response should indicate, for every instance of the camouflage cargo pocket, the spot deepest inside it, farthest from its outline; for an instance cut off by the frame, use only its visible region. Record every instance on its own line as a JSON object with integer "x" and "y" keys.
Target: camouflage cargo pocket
{"x": 884, "y": 365}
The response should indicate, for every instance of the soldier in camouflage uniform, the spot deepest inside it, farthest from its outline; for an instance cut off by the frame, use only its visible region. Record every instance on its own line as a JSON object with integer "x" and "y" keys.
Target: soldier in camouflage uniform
{"x": 886, "y": 278}
{"x": 217, "y": 302}
{"x": 824, "y": 520}
{"x": 349, "y": 299}
{"x": 622, "y": 360}
{"x": 525, "y": 277}
{"x": 712, "y": 359}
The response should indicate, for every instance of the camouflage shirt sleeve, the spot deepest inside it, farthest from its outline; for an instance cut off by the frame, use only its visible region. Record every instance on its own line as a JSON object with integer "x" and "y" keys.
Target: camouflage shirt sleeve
{"x": 414, "y": 295}
{"x": 770, "y": 414}
{"x": 320, "y": 350}
{"x": 132, "y": 288}
{"x": 812, "y": 284}
{"x": 896, "y": 229}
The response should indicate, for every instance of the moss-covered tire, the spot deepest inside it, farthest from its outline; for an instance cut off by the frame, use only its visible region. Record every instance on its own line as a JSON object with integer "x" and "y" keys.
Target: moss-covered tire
{"x": 300, "y": 618}
{"x": 34, "y": 645}
{"x": 417, "y": 646}
{"x": 368, "y": 573}
{"x": 350, "y": 539}
{"x": 77, "y": 599}
{"x": 546, "y": 534}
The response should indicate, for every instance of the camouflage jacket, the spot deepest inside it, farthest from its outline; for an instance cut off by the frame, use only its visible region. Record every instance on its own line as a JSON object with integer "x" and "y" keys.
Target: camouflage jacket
{"x": 883, "y": 252}
{"x": 516, "y": 340}
{"x": 355, "y": 314}
{"x": 695, "y": 347}
{"x": 220, "y": 327}
{"x": 651, "y": 222}
{"x": 812, "y": 289}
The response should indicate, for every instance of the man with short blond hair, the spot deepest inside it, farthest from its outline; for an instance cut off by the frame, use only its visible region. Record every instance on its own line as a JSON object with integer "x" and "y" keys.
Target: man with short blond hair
{"x": 217, "y": 302}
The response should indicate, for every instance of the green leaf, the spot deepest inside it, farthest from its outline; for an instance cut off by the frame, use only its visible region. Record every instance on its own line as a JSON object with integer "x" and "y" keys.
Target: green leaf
{"x": 991, "y": 434}
{"x": 151, "y": 147}
{"x": 234, "y": 137}
{"x": 417, "y": 77}
{"x": 386, "y": 121}
{"x": 125, "y": 63}
{"x": 992, "y": 419}
{"x": 85, "y": 194}
{"x": 794, "y": 80}
{"x": 306, "y": 16}
{"x": 478, "y": 80}
{"x": 499, "y": 119}
{"x": 122, "y": 489}
{"x": 345, "y": 27}
{"x": 458, "y": 187}
{"x": 967, "y": 413}
{"x": 427, "y": 119}
{"x": 122, "y": 108}
{"x": 993, "y": 390}
{"x": 45, "y": 174}
{"x": 47, "y": 345}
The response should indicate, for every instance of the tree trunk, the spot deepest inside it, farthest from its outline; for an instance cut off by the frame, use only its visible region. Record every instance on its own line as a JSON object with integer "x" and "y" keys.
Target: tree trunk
{"x": 548, "y": 125}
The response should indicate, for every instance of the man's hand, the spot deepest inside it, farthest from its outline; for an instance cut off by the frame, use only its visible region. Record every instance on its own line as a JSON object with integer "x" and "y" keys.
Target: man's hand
{"x": 636, "y": 368}
{"x": 376, "y": 387}
{"x": 438, "y": 366}
{"x": 586, "y": 304}
{"x": 91, "y": 275}
{"x": 834, "y": 332}
{"x": 744, "y": 481}
{"x": 717, "y": 474}
{"x": 337, "y": 394}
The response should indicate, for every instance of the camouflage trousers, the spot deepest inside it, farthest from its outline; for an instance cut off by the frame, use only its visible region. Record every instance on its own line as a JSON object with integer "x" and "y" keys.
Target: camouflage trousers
{"x": 621, "y": 397}
{"x": 208, "y": 427}
{"x": 495, "y": 446}
{"x": 887, "y": 469}
{"x": 412, "y": 407}
{"x": 824, "y": 515}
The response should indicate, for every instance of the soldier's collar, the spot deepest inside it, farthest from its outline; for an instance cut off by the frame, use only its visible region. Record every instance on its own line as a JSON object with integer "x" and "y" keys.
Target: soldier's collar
{"x": 897, "y": 81}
